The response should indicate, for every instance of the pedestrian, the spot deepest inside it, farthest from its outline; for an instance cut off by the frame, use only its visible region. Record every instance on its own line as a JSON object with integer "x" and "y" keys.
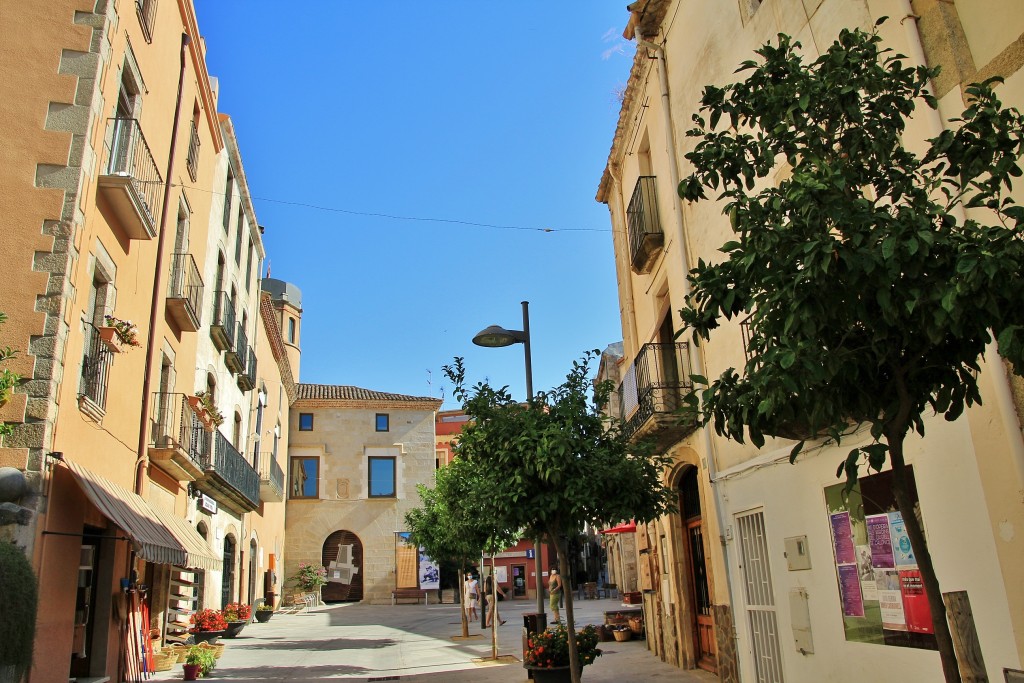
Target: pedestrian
{"x": 555, "y": 593}
{"x": 472, "y": 596}
{"x": 492, "y": 604}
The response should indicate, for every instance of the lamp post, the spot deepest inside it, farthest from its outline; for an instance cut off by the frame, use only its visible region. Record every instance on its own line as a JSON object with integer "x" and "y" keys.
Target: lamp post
{"x": 497, "y": 337}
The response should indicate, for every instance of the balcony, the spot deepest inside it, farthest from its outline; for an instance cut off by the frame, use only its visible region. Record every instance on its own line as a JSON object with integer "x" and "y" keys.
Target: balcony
{"x": 652, "y": 392}
{"x": 643, "y": 223}
{"x": 247, "y": 377}
{"x": 222, "y": 329}
{"x": 271, "y": 479}
{"x": 229, "y": 477}
{"x": 96, "y": 361}
{"x": 131, "y": 183}
{"x": 185, "y": 292}
{"x": 236, "y": 355}
{"x": 178, "y": 443}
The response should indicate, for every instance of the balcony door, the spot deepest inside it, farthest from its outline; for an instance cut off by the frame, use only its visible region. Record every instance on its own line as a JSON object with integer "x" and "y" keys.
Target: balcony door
{"x": 668, "y": 362}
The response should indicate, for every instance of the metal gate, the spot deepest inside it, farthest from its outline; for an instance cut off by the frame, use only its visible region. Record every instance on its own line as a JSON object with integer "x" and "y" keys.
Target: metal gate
{"x": 760, "y": 598}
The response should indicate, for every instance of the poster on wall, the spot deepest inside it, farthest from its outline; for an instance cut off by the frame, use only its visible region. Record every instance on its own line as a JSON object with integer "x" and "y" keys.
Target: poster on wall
{"x": 881, "y": 597}
{"x": 430, "y": 573}
{"x": 406, "y": 557}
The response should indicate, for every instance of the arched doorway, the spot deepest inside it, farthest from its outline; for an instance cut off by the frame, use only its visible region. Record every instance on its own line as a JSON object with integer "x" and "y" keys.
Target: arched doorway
{"x": 227, "y": 584}
{"x": 252, "y": 570}
{"x": 343, "y": 557}
{"x": 702, "y": 620}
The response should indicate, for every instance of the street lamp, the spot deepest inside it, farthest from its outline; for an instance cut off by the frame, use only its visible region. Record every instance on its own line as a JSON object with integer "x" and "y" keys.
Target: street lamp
{"x": 496, "y": 336}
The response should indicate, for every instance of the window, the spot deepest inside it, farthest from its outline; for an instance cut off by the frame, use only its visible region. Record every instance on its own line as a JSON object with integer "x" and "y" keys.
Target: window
{"x": 236, "y": 433}
{"x": 748, "y": 8}
{"x": 238, "y": 236}
{"x": 192, "y": 160}
{"x": 382, "y": 477}
{"x": 228, "y": 189}
{"x": 291, "y": 330}
{"x": 383, "y": 421}
{"x": 146, "y": 9}
{"x": 305, "y": 478}
{"x": 248, "y": 265}
{"x": 305, "y": 422}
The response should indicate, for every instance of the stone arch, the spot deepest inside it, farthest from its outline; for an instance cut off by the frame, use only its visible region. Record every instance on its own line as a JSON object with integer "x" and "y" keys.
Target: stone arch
{"x": 342, "y": 555}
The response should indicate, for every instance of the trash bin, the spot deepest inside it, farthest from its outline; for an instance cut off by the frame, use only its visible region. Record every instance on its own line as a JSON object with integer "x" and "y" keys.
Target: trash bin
{"x": 533, "y": 622}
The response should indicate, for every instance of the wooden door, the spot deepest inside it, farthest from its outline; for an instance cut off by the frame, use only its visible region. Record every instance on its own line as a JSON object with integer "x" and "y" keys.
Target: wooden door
{"x": 702, "y": 620}
{"x": 343, "y": 559}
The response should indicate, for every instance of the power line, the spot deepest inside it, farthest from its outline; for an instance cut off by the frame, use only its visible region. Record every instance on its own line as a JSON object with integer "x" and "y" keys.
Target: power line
{"x": 426, "y": 219}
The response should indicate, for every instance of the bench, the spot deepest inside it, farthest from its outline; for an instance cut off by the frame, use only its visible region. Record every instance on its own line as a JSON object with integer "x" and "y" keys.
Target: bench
{"x": 409, "y": 593}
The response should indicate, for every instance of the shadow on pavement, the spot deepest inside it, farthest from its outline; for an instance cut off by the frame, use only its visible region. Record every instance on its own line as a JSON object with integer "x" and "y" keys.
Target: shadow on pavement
{"x": 292, "y": 674}
{"x": 318, "y": 645}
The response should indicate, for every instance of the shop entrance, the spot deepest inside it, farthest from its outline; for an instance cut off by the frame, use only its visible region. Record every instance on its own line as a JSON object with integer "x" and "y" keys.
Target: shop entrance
{"x": 518, "y": 580}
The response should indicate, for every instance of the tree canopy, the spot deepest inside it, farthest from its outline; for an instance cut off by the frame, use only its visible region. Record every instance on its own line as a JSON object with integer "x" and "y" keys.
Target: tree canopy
{"x": 870, "y": 278}
{"x": 554, "y": 464}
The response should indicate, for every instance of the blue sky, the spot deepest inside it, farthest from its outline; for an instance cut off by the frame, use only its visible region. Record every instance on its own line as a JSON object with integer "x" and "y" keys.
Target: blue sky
{"x": 497, "y": 113}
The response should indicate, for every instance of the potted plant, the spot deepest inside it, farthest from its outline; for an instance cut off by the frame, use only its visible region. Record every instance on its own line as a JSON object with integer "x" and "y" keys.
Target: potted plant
{"x": 237, "y": 615}
{"x": 264, "y": 612}
{"x": 209, "y": 625}
{"x": 198, "y": 661}
{"x": 205, "y": 409}
{"x": 118, "y": 334}
{"x": 310, "y": 577}
{"x": 547, "y": 653}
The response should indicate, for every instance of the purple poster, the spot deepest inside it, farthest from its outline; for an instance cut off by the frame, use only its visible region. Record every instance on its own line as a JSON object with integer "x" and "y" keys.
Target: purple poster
{"x": 842, "y": 538}
{"x": 880, "y": 542}
{"x": 849, "y": 587}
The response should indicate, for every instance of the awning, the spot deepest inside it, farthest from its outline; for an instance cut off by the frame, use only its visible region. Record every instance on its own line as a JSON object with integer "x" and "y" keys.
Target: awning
{"x": 198, "y": 553}
{"x": 151, "y": 538}
{"x": 621, "y": 529}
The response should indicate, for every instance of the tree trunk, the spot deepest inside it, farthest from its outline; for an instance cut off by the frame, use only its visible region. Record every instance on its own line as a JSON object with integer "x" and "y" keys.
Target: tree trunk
{"x": 495, "y": 619}
{"x": 940, "y": 624}
{"x": 570, "y": 622}
{"x": 461, "y": 600}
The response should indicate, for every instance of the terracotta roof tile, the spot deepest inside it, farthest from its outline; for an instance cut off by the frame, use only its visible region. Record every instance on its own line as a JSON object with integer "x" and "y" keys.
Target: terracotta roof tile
{"x": 344, "y": 392}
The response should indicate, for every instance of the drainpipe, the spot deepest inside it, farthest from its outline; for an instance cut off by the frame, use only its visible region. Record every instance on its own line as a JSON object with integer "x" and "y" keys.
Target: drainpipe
{"x": 695, "y": 352}
{"x": 142, "y": 463}
{"x": 1000, "y": 380}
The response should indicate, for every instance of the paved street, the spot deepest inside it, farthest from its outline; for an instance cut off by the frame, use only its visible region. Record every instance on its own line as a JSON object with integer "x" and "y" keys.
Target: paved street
{"x": 412, "y": 642}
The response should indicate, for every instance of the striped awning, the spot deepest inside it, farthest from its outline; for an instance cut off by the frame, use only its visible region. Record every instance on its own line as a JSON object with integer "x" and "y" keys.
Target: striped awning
{"x": 151, "y": 538}
{"x": 198, "y": 553}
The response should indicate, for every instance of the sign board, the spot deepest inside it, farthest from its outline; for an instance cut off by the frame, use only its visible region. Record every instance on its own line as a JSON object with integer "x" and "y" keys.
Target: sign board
{"x": 530, "y": 553}
{"x": 207, "y": 503}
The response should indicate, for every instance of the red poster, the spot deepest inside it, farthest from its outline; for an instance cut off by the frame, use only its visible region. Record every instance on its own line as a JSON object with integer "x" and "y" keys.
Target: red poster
{"x": 915, "y": 603}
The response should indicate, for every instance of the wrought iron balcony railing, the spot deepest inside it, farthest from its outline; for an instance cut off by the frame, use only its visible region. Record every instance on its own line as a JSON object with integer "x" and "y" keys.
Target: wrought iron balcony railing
{"x": 146, "y": 10}
{"x": 179, "y": 444}
{"x": 652, "y": 392}
{"x": 131, "y": 182}
{"x": 247, "y": 378}
{"x": 643, "y": 222}
{"x": 230, "y": 478}
{"x": 185, "y": 292}
{"x": 236, "y": 356}
{"x": 271, "y": 478}
{"x": 222, "y": 328}
{"x": 96, "y": 361}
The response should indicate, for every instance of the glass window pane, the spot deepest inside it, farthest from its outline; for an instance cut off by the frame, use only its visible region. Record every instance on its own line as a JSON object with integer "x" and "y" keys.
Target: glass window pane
{"x": 382, "y": 422}
{"x": 305, "y": 422}
{"x": 382, "y": 477}
{"x": 311, "y": 468}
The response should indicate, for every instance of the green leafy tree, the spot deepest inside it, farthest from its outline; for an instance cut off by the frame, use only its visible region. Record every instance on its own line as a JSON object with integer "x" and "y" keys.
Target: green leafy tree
{"x": 548, "y": 467}
{"x": 8, "y": 380}
{"x": 449, "y": 528}
{"x": 868, "y": 294}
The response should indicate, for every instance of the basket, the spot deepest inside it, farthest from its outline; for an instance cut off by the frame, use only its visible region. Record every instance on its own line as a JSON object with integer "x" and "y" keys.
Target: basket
{"x": 623, "y": 636}
{"x": 163, "y": 661}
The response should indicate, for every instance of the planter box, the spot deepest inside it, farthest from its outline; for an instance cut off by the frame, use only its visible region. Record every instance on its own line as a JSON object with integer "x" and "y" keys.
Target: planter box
{"x": 110, "y": 339}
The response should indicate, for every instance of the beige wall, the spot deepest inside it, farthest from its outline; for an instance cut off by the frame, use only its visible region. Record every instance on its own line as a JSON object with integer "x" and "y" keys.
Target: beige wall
{"x": 977, "y": 463}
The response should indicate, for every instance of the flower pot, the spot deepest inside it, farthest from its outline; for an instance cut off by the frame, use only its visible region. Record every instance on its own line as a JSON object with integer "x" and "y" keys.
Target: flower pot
{"x": 111, "y": 339}
{"x": 207, "y": 636}
{"x": 554, "y": 674}
{"x": 191, "y": 672}
{"x": 234, "y": 628}
{"x": 263, "y": 616}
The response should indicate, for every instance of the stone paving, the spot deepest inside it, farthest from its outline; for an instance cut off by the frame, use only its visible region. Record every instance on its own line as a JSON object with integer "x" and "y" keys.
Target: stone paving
{"x": 359, "y": 642}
